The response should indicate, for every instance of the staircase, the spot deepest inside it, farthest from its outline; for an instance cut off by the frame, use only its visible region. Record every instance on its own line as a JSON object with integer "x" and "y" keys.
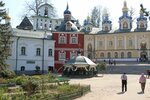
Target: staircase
{"x": 128, "y": 68}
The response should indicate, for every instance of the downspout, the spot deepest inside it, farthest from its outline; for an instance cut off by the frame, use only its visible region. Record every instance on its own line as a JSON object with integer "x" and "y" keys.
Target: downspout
{"x": 17, "y": 53}
{"x": 43, "y": 58}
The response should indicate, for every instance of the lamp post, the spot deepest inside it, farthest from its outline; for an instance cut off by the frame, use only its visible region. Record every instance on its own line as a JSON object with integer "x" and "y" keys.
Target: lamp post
{"x": 17, "y": 53}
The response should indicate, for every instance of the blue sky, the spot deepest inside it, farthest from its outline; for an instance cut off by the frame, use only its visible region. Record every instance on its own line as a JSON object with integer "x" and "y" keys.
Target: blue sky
{"x": 79, "y": 8}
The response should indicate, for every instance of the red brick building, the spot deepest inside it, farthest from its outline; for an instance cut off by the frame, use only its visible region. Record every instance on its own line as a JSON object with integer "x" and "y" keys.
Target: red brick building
{"x": 68, "y": 40}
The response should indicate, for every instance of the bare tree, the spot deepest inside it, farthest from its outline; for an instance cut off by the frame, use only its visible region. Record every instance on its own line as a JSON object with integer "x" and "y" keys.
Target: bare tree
{"x": 32, "y": 7}
{"x": 132, "y": 13}
{"x": 96, "y": 16}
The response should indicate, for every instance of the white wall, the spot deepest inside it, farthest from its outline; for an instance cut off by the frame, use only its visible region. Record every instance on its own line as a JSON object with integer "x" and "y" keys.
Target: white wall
{"x": 31, "y": 44}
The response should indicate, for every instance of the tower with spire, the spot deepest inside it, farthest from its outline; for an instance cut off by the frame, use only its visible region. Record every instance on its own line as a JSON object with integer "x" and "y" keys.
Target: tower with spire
{"x": 67, "y": 14}
{"x": 70, "y": 23}
{"x": 106, "y": 23}
{"x": 87, "y": 25}
{"x": 141, "y": 22}
{"x": 125, "y": 21}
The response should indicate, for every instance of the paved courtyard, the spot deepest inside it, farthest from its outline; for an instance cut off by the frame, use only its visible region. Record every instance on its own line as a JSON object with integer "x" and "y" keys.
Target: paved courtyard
{"x": 109, "y": 88}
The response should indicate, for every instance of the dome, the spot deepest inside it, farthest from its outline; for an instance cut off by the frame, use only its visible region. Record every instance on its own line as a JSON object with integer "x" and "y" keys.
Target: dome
{"x": 67, "y": 10}
{"x": 80, "y": 60}
{"x": 7, "y": 17}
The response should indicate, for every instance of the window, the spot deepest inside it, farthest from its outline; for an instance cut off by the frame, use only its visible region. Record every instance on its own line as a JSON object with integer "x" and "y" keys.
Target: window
{"x": 106, "y": 28}
{"x": 100, "y": 43}
{"x": 109, "y": 55}
{"x": 72, "y": 55}
{"x": 23, "y": 50}
{"x": 74, "y": 40}
{"x": 102, "y": 55}
{"x": 120, "y": 43}
{"x": 22, "y": 68}
{"x": 38, "y": 52}
{"x": 130, "y": 43}
{"x": 68, "y": 26}
{"x": 129, "y": 54}
{"x": 110, "y": 43}
{"x": 141, "y": 25}
{"x": 122, "y": 54}
{"x": 62, "y": 56}
{"x": 116, "y": 55}
{"x": 88, "y": 29}
{"x": 125, "y": 25}
{"x": 50, "y": 52}
{"x": 62, "y": 40}
{"x": 46, "y": 11}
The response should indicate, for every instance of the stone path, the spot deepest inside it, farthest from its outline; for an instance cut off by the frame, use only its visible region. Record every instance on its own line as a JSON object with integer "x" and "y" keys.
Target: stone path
{"x": 109, "y": 88}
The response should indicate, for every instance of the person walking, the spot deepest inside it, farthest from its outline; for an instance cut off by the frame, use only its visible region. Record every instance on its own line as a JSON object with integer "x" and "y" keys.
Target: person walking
{"x": 142, "y": 81}
{"x": 124, "y": 82}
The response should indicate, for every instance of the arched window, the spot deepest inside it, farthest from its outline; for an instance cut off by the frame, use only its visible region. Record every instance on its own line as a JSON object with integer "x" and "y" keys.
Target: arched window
{"x": 102, "y": 55}
{"x": 62, "y": 39}
{"x": 130, "y": 42}
{"x": 62, "y": 55}
{"x": 125, "y": 25}
{"x": 122, "y": 54}
{"x": 46, "y": 11}
{"x": 116, "y": 55}
{"x": 89, "y": 48}
{"x": 129, "y": 54}
{"x": 68, "y": 26}
{"x": 22, "y": 68}
{"x": 109, "y": 55}
{"x": 141, "y": 25}
{"x": 106, "y": 28}
{"x": 23, "y": 50}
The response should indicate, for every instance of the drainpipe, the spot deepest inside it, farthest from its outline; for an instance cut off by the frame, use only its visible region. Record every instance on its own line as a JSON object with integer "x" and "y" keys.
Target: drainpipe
{"x": 43, "y": 58}
{"x": 17, "y": 53}
{"x": 43, "y": 53}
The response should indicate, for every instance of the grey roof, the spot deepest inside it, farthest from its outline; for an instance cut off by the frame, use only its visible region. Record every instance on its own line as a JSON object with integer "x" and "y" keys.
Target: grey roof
{"x": 80, "y": 60}
{"x": 62, "y": 27}
{"x": 25, "y": 24}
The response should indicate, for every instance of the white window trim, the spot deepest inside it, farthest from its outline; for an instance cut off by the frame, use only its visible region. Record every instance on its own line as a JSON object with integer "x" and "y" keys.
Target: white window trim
{"x": 65, "y": 40}
{"x": 76, "y": 40}
{"x": 60, "y": 58}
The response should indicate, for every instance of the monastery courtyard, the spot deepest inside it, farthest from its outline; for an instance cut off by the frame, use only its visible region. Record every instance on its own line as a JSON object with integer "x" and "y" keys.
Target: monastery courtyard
{"x": 108, "y": 87}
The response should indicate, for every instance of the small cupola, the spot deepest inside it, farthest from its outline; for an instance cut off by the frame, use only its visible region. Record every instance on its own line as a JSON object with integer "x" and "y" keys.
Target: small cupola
{"x": 141, "y": 22}
{"x": 125, "y": 21}
{"x": 67, "y": 14}
{"x": 106, "y": 23}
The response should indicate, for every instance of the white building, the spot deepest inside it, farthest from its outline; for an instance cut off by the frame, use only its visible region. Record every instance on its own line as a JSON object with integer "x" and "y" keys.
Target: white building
{"x": 44, "y": 21}
{"x": 31, "y": 49}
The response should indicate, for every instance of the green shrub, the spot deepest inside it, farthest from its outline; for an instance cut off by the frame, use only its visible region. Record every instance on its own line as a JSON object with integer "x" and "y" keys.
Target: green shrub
{"x": 2, "y": 80}
{"x": 30, "y": 86}
{"x": 21, "y": 80}
{"x": 7, "y": 74}
{"x": 101, "y": 66}
{"x": 68, "y": 88}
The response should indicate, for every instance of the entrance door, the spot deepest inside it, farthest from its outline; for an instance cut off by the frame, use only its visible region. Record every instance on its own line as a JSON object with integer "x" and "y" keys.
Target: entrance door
{"x": 143, "y": 56}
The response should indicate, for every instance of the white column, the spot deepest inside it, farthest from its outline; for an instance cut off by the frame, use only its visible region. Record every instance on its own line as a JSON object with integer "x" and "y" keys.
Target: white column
{"x": 34, "y": 23}
{"x": 135, "y": 41}
{"x": 105, "y": 43}
{"x": 43, "y": 23}
{"x": 115, "y": 42}
{"x": 125, "y": 44}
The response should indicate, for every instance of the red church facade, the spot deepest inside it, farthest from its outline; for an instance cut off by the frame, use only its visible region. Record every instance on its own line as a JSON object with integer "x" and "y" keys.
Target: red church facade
{"x": 68, "y": 40}
{"x": 66, "y": 46}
